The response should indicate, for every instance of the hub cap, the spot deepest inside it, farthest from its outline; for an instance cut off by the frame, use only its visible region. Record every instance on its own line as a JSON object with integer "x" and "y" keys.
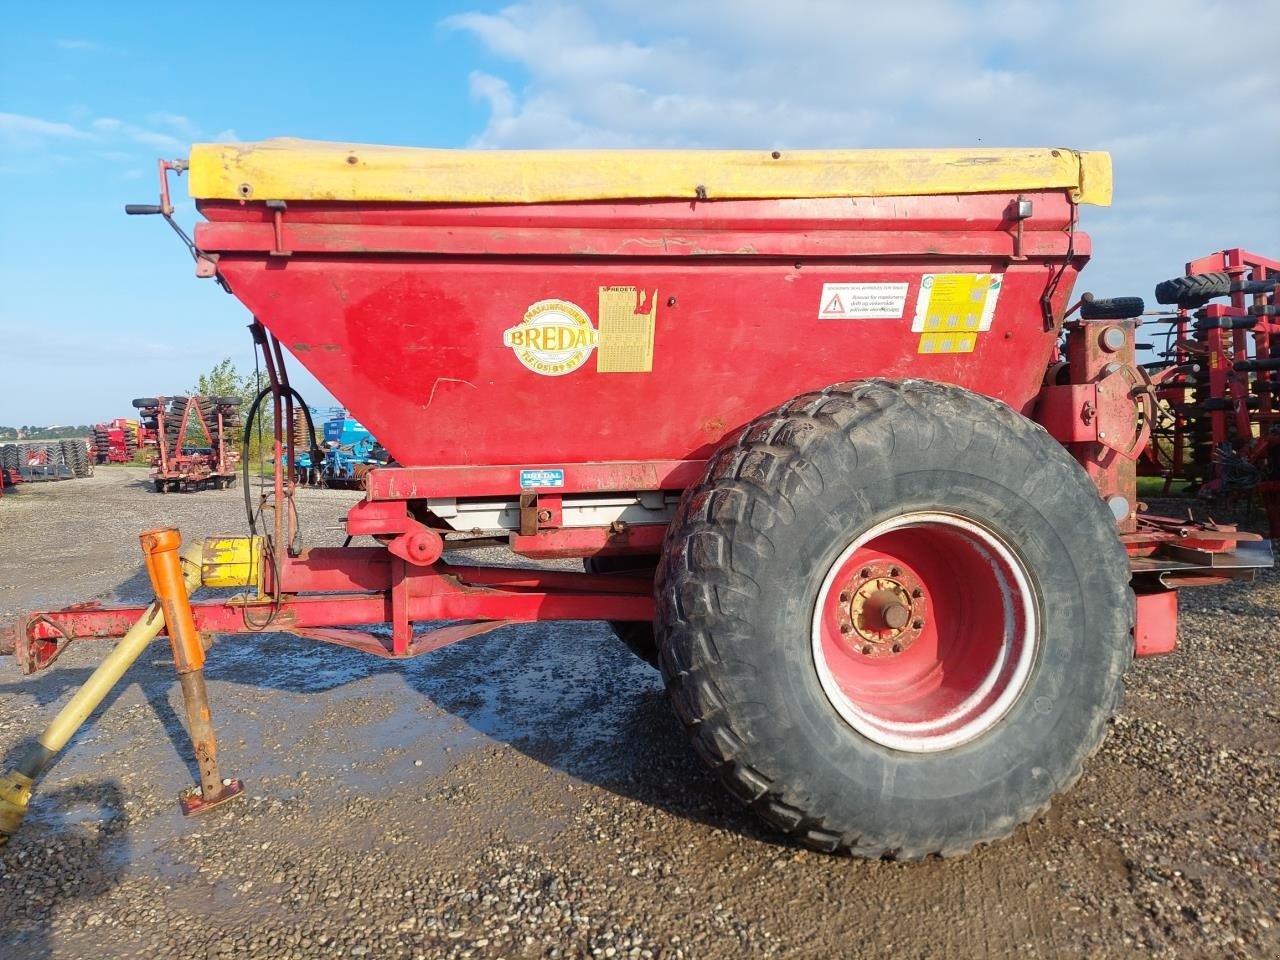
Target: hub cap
{"x": 925, "y": 631}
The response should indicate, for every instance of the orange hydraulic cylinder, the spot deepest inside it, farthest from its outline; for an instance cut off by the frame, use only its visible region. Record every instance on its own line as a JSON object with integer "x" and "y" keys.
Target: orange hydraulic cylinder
{"x": 165, "y": 568}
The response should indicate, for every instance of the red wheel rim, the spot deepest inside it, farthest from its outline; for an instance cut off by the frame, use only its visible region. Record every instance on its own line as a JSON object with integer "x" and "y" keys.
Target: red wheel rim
{"x": 925, "y": 631}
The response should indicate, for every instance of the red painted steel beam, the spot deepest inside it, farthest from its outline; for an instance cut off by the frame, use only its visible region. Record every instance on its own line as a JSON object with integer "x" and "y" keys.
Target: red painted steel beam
{"x": 346, "y": 239}
{"x": 964, "y": 212}
{"x": 346, "y": 610}
{"x": 591, "y": 541}
{"x": 429, "y": 593}
{"x": 421, "y": 483}
{"x": 368, "y": 569}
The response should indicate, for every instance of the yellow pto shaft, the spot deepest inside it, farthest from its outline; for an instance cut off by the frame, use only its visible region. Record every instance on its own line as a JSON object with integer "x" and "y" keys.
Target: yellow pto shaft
{"x": 15, "y": 784}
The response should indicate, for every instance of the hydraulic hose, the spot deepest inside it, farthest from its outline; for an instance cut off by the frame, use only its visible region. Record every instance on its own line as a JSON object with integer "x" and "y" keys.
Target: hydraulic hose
{"x": 248, "y": 434}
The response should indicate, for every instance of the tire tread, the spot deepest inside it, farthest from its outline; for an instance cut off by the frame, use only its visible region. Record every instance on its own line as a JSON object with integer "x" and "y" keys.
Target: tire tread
{"x": 738, "y": 493}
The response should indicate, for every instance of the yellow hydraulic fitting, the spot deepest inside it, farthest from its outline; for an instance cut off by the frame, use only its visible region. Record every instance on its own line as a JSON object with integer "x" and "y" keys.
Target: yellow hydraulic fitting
{"x": 233, "y": 562}
{"x": 15, "y": 794}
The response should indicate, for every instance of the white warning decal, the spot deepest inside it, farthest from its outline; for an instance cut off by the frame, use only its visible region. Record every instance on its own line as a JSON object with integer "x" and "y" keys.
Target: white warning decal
{"x": 862, "y": 301}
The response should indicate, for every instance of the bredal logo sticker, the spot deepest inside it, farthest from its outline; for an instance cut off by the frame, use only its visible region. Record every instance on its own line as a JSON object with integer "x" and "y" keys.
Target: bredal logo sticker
{"x": 554, "y": 338}
{"x": 533, "y": 479}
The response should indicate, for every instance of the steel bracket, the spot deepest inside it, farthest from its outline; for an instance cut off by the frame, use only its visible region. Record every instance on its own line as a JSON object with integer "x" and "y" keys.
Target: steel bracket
{"x": 1105, "y": 412}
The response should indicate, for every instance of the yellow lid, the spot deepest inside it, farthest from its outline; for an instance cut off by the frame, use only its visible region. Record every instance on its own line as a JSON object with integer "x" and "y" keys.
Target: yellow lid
{"x": 289, "y": 169}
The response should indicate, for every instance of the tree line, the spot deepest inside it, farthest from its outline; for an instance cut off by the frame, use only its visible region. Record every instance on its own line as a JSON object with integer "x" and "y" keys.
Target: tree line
{"x": 33, "y": 432}
{"x": 223, "y": 380}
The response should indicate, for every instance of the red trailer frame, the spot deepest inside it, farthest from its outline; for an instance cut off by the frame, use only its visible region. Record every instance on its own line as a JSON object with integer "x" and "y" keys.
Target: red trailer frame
{"x": 292, "y": 262}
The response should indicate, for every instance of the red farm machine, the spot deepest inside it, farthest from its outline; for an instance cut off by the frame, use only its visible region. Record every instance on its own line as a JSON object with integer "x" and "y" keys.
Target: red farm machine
{"x": 115, "y": 442}
{"x": 839, "y": 450}
{"x": 1217, "y": 425}
{"x": 196, "y": 440}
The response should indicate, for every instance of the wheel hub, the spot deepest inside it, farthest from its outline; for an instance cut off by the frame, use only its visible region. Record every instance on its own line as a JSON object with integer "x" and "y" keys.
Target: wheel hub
{"x": 882, "y": 609}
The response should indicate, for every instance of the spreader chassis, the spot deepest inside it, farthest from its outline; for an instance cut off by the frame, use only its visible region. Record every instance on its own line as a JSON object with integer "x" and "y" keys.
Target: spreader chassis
{"x": 1095, "y": 400}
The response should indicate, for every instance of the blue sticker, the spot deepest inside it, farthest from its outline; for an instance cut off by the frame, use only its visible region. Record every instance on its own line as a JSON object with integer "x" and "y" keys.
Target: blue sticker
{"x": 530, "y": 479}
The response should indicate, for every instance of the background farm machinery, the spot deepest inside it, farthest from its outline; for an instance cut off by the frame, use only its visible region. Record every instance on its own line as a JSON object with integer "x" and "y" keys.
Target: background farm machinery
{"x": 119, "y": 440}
{"x": 1216, "y": 422}
{"x": 344, "y": 459}
{"x": 196, "y": 440}
{"x": 29, "y": 461}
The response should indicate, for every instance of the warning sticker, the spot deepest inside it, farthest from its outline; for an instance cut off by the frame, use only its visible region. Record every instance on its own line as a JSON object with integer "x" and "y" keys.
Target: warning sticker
{"x": 953, "y": 308}
{"x": 626, "y": 330}
{"x": 862, "y": 301}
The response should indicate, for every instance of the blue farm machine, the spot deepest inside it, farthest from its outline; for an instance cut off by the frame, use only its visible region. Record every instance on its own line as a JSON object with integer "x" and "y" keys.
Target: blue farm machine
{"x": 348, "y": 453}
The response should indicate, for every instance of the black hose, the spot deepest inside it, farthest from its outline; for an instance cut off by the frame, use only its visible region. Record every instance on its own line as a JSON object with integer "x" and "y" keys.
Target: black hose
{"x": 248, "y": 435}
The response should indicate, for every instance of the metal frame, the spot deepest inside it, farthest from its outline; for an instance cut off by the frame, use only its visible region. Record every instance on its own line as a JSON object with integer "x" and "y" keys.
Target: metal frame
{"x": 172, "y": 466}
{"x": 323, "y": 592}
{"x": 1221, "y": 386}
{"x": 407, "y": 580}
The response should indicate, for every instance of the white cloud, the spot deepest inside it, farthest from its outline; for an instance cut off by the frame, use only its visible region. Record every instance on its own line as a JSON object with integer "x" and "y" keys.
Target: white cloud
{"x": 1192, "y": 121}
{"x": 152, "y": 138}
{"x": 174, "y": 121}
{"x": 67, "y": 44}
{"x": 20, "y": 132}
{"x": 32, "y": 341}
{"x": 112, "y": 138}
{"x": 149, "y": 138}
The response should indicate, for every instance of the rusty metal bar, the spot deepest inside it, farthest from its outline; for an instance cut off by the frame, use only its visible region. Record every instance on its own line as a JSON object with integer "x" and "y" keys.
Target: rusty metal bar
{"x": 163, "y": 565}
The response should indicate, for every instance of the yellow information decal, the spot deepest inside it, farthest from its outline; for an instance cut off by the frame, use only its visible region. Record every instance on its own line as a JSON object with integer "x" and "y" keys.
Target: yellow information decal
{"x": 626, "y": 330}
{"x": 953, "y": 308}
{"x": 554, "y": 338}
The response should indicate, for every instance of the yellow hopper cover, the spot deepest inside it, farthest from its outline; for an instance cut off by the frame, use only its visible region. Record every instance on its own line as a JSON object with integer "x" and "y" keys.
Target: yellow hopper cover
{"x": 289, "y": 169}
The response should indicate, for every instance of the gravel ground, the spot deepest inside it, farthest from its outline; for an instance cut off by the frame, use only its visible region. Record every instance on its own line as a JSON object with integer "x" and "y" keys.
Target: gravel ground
{"x": 528, "y": 794}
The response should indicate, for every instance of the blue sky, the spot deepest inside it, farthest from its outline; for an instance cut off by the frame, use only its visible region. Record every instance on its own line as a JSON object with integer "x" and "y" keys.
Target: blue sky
{"x": 96, "y": 308}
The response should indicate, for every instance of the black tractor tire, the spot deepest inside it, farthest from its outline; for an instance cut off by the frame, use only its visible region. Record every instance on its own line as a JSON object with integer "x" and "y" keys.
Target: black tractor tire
{"x": 637, "y": 636}
{"x": 1111, "y": 308}
{"x": 743, "y": 570}
{"x": 143, "y": 403}
{"x": 1193, "y": 291}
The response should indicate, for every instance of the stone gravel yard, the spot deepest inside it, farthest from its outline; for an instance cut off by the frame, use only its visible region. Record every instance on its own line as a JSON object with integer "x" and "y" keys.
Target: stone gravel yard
{"x": 528, "y": 793}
